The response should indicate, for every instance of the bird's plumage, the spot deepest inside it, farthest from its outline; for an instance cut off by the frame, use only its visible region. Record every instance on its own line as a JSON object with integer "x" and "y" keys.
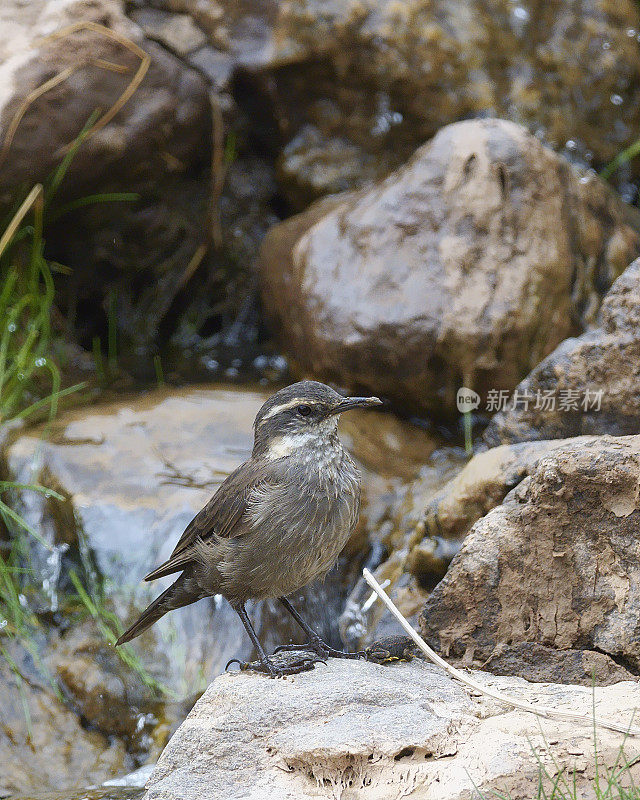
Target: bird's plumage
{"x": 279, "y": 520}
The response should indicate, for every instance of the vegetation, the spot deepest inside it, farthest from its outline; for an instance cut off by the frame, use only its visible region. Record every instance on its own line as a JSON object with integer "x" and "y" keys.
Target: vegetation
{"x": 31, "y": 389}
{"x": 609, "y": 782}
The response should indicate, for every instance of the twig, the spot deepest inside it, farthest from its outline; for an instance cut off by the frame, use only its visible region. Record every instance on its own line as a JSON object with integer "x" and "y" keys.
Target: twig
{"x": 20, "y": 214}
{"x": 65, "y": 74}
{"x": 540, "y": 711}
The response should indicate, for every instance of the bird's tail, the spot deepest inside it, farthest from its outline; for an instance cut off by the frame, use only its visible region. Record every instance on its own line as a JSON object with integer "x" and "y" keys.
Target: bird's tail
{"x": 169, "y": 599}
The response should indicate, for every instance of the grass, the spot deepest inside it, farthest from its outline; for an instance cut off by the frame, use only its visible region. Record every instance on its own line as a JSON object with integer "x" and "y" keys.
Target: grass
{"x": 622, "y": 158}
{"x": 555, "y": 782}
{"x": 31, "y": 389}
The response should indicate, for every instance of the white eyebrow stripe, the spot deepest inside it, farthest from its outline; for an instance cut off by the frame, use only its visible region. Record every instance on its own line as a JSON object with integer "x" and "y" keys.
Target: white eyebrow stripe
{"x": 284, "y": 406}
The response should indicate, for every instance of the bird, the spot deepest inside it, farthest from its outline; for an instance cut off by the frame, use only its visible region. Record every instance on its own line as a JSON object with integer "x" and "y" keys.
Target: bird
{"x": 276, "y": 523}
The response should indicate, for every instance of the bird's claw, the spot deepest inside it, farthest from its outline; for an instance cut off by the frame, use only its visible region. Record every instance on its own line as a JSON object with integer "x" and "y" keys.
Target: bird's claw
{"x": 277, "y": 671}
{"x": 321, "y": 649}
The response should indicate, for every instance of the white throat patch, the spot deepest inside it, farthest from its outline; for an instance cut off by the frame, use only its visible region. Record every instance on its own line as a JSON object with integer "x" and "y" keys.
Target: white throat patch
{"x": 286, "y": 445}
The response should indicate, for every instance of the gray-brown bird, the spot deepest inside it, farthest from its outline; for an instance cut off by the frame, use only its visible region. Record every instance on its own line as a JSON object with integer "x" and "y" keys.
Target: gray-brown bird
{"x": 276, "y": 523}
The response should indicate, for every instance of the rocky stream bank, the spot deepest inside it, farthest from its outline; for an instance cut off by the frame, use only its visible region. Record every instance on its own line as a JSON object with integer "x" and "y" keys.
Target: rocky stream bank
{"x": 402, "y": 198}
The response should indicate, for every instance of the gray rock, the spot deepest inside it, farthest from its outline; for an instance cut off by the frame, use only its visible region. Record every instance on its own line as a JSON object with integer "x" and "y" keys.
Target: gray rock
{"x": 465, "y": 267}
{"x": 594, "y": 378}
{"x": 135, "y": 473}
{"x": 358, "y": 730}
{"x": 43, "y": 745}
{"x": 168, "y": 112}
{"x": 177, "y": 32}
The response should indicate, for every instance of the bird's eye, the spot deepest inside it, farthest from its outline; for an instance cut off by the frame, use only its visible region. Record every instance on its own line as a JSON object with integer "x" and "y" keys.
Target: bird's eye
{"x": 304, "y": 410}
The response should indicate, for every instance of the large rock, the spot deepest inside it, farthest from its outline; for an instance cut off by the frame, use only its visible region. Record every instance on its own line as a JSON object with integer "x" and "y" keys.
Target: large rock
{"x": 132, "y": 263}
{"x": 39, "y": 41}
{"x": 479, "y": 487}
{"x": 59, "y": 63}
{"x": 556, "y": 564}
{"x": 465, "y": 267}
{"x": 351, "y": 88}
{"x": 593, "y": 381}
{"x": 358, "y": 730}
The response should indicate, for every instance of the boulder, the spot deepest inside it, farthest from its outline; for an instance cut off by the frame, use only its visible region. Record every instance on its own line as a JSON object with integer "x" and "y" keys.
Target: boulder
{"x": 465, "y": 267}
{"x": 593, "y": 380}
{"x": 480, "y": 486}
{"x": 359, "y": 730}
{"x": 556, "y": 564}
{"x": 93, "y": 51}
{"x": 347, "y": 89}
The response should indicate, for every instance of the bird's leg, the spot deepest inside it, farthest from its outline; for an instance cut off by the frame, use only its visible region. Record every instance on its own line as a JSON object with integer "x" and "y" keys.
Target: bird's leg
{"x": 266, "y": 664}
{"x": 315, "y": 643}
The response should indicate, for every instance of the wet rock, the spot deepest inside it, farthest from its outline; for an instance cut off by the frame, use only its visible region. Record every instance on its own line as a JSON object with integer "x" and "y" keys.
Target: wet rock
{"x": 381, "y": 78}
{"x": 593, "y": 380}
{"x": 44, "y": 39}
{"x": 135, "y": 473}
{"x": 554, "y": 565}
{"x": 465, "y": 267}
{"x": 61, "y": 62}
{"x": 361, "y": 730}
{"x": 109, "y": 695}
{"x": 310, "y": 167}
{"x": 44, "y": 747}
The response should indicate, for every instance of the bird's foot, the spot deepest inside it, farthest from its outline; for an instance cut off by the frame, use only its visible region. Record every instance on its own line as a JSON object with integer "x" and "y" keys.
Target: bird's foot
{"x": 279, "y": 670}
{"x": 390, "y": 649}
{"x": 321, "y": 649}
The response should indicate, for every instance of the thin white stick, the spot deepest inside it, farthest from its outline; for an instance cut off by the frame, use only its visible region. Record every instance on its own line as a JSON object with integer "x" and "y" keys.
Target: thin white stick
{"x": 540, "y": 711}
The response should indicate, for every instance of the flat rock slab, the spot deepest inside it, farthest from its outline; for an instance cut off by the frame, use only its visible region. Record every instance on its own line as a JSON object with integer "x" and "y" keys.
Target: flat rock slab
{"x": 134, "y": 474}
{"x": 353, "y": 730}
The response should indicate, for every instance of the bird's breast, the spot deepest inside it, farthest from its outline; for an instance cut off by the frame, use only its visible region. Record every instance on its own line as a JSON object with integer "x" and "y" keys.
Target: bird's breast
{"x": 298, "y": 528}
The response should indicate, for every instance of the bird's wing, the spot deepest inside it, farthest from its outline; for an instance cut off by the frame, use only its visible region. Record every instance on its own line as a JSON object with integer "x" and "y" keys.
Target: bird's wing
{"x": 221, "y": 517}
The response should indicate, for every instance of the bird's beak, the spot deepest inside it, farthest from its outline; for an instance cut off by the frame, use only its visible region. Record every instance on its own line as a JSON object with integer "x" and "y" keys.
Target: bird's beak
{"x": 354, "y": 402}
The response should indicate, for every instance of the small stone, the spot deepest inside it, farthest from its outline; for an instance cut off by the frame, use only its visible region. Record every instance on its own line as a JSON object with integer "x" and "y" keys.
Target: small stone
{"x": 178, "y": 32}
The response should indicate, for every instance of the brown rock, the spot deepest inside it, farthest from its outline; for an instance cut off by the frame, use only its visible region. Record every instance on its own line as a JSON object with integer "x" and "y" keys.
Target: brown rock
{"x": 43, "y": 746}
{"x": 604, "y": 362}
{"x": 466, "y": 266}
{"x": 479, "y": 487}
{"x": 382, "y": 77}
{"x": 166, "y": 115}
{"x": 555, "y": 565}
{"x": 539, "y": 664}
{"x": 59, "y": 63}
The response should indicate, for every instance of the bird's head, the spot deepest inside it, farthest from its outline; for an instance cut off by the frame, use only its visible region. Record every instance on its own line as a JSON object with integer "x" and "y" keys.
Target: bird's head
{"x": 303, "y": 414}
